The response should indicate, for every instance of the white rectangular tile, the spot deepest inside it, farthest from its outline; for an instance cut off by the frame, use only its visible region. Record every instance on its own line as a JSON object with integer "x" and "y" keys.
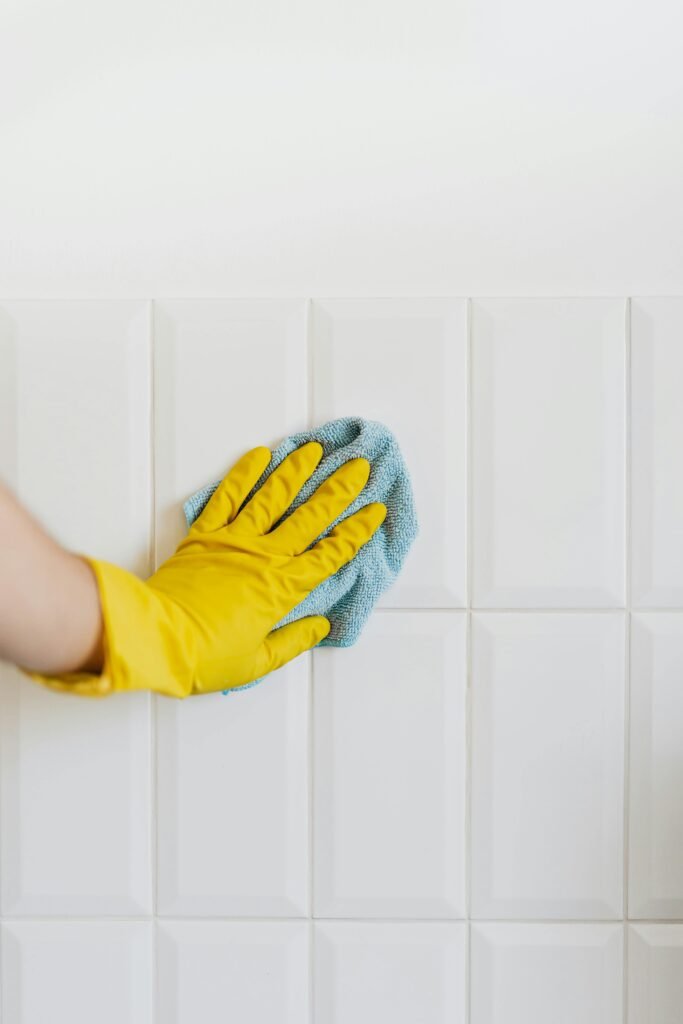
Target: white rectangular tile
{"x": 389, "y": 739}
{"x": 655, "y": 973}
{"x": 75, "y": 405}
{"x": 404, "y": 362}
{"x": 547, "y": 764}
{"x": 403, "y": 973}
{"x": 75, "y": 798}
{"x": 233, "y": 800}
{"x": 76, "y": 401}
{"x": 538, "y": 973}
{"x": 656, "y": 770}
{"x": 77, "y": 972}
{"x": 656, "y": 431}
{"x": 548, "y": 463}
{"x": 218, "y": 971}
{"x": 230, "y": 374}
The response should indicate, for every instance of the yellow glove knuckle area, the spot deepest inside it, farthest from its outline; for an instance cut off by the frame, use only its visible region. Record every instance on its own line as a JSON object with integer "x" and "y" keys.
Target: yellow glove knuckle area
{"x": 342, "y": 544}
{"x": 278, "y": 492}
{"x": 324, "y": 506}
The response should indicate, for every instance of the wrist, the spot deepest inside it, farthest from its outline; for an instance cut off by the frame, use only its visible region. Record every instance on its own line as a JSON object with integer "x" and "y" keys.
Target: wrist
{"x": 91, "y": 627}
{"x": 147, "y": 640}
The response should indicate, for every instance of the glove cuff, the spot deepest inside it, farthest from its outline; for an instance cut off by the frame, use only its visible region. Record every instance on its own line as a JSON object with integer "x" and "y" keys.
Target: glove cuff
{"x": 148, "y": 641}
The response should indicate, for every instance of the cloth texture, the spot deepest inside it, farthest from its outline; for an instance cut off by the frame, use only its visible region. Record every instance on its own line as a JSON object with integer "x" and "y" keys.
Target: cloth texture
{"x": 348, "y": 597}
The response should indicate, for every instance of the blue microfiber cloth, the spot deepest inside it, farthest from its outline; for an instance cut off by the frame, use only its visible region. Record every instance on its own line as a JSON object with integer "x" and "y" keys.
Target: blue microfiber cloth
{"x": 347, "y": 597}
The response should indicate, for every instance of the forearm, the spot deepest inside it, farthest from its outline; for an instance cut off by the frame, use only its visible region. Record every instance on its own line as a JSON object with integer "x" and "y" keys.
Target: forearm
{"x": 50, "y": 618}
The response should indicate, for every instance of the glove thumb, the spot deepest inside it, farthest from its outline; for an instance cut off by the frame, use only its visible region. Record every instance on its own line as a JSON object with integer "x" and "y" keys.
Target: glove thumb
{"x": 285, "y": 643}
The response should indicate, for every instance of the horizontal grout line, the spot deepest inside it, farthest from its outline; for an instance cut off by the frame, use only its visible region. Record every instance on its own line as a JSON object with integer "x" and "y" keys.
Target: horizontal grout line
{"x": 344, "y": 296}
{"x": 150, "y": 919}
{"x": 555, "y": 609}
{"x": 476, "y": 609}
{"x": 629, "y": 921}
{"x": 78, "y": 918}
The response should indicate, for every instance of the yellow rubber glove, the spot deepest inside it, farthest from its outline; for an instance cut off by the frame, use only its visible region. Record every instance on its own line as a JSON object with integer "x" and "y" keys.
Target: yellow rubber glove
{"x": 204, "y": 620}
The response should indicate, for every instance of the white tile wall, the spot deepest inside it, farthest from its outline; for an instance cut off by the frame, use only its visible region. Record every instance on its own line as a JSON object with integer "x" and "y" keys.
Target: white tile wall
{"x": 453, "y": 821}
{"x": 390, "y": 770}
{"x": 655, "y": 973}
{"x": 547, "y": 764}
{"x": 656, "y": 811}
{"x": 77, "y": 971}
{"x": 246, "y": 971}
{"x": 395, "y": 972}
{"x": 537, "y": 973}
{"x": 657, "y": 426}
{"x": 233, "y": 801}
{"x": 548, "y": 436}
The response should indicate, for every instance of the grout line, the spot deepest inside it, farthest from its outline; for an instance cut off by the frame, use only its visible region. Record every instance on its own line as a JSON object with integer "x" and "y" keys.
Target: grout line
{"x": 311, "y": 970}
{"x": 467, "y": 838}
{"x": 555, "y": 610}
{"x": 62, "y": 919}
{"x": 542, "y": 921}
{"x": 479, "y": 610}
{"x": 154, "y": 825}
{"x": 260, "y": 296}
{"x": 468, "y": 970}
{"x": 289, "y": 919}
{"x": 627, "y": 653}
{"x": 311, "y": 712}
{"x": 624, "y": 996}
{"x": 311, "y": 832}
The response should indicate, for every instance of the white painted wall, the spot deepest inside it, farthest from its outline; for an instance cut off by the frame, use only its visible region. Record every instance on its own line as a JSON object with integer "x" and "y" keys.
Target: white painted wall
{"x": 473, "y": 816}
{"x": 475, "y": 147}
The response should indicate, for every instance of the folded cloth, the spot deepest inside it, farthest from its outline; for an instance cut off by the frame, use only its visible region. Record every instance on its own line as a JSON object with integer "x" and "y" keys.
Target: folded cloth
{"x": 347, "y": 597}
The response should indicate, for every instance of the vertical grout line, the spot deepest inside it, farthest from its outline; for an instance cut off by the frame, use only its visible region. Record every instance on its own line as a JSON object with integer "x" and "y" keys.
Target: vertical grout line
{"x": 468, "y": 670}
{"x": 627, "y": 653}
{"x": 311, "y": 711}
{"x": 152, "y": 696}
{"x": 311, "y": 971}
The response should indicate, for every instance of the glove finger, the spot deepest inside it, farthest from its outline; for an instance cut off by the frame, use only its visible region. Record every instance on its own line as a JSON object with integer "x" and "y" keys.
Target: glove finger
{"x": 326, "y": 505}
{"x": 306, "y": 571}
{"x": 280, "y": 489}
{"x": 285, "y": 643}
{"x": 323, "y": 507}
{"x": 225, "y": 501}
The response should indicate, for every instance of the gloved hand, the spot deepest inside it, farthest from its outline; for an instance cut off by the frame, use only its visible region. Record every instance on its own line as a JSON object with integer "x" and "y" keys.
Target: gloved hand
{"x": 204, "y": 620}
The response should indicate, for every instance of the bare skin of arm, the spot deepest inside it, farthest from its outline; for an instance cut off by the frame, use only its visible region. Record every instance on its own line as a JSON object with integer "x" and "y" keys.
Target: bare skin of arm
{"x": 50, "y": 617}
